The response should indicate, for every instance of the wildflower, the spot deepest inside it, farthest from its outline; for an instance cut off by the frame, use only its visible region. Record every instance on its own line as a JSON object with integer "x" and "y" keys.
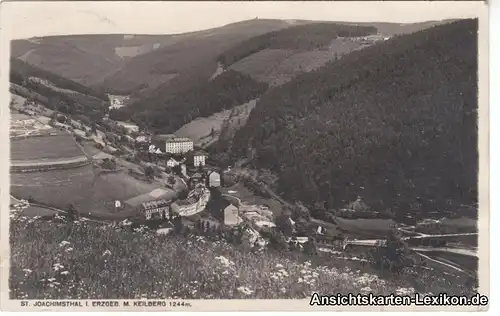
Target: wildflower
{"x": 279, "y": 265}
{"x": 69, "y": 249}
{"x": 283, "y": 290}
{"x": 64, "y": 243}
{"x": 106, "y": 253}
{"x": 224, "y": 261}
{"x": 300, "y": 280}
{"x": 51, "y": 279}
{"x": 57, "y": 266}
{"x": 405, "y": 291}
{"x": 64, "y": 272}
{"x": 245, "y": 290}
{"x": 366, "y": 289}
{"x": 27, "y": 271}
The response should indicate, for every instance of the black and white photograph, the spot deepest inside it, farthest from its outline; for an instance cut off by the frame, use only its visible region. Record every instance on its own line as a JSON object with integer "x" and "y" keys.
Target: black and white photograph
{"x": 171, "y": 152}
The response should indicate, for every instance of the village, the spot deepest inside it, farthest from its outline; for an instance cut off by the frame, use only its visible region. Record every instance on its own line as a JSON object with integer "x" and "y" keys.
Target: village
{"x": 196, "y": 195}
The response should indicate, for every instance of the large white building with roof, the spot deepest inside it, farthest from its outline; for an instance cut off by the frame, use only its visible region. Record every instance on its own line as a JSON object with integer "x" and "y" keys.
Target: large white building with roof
{"x": 174, "y": 144}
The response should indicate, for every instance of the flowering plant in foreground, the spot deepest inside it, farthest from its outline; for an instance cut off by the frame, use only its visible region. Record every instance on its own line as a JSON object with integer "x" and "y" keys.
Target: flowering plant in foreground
{"x": 87, "y": 260}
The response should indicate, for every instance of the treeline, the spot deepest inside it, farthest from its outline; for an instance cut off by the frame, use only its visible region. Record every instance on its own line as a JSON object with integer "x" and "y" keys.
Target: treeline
{"x": 85, "y": 103}
{"x": 301, "y": 37}
{"x": 395, "y": 123}
{"x": 20, "y": 71}
{"x": 166, "y": 116}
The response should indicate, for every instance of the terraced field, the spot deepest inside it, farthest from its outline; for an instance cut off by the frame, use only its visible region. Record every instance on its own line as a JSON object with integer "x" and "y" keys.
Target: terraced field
{"x": 44, "y": 148}
{"x": 79, "y": 186}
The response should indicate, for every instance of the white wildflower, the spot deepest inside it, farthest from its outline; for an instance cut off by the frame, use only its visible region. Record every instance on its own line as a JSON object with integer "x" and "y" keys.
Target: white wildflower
{"x": 366, "y": 289}
{"x": 405, "y": 291}
{"x": 279, "y": 265}
{"x": 245, "y": 290}
{"x": 107, "y": 253}
{"x": 27, "y": 271}
{"x": 65, "y": 272}
{"x": 64, "y": 243}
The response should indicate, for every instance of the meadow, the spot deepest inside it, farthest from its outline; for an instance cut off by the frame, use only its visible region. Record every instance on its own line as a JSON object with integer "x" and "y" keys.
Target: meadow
{"x": 199, "y": 130}
{"x": 78, "y": 186}
{"x": 44, "y": 148}
{"x": 84, "y": 260}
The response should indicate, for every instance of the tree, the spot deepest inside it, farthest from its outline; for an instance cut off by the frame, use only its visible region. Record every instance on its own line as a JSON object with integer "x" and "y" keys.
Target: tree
{"x": 171, "y": 180}
{"x": 310, "y": 247}
{"x": 94, "y": 128}
{"x": 72, "y": 214}
{"x": 149, "y": 172}
{"x": 284, "y": 225}
{"x": 78, "y": 138}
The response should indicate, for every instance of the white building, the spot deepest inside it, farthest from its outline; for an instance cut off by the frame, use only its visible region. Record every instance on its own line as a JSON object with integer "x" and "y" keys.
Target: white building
{"x": 130, "y": 127}
{"x": 197, "y": 158}
{"x": 175, "y": 145}
{"x": 172, "y": 163}
{"x": 214, "y": 179}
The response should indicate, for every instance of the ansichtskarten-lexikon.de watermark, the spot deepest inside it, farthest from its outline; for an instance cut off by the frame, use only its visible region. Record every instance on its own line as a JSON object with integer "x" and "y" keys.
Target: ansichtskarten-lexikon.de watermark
{"x": 370, "y": 299}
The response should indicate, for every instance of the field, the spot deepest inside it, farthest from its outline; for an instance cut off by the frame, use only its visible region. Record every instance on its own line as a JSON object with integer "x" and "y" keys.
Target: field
{"x": 93, "y": 261}
{"x": 45, "y": 148}
{"x": 373, "y": 227}
{"x": 277, "y": 66}
{"x": 199, "y": 129}
{"x": 79, "y": 186}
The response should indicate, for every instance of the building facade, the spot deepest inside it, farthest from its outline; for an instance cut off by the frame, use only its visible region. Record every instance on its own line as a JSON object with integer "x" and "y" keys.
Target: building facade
{"x": 155, "y": 209}
{"x": 214, "y": 180}
{"x": 172, "y": 163}
{"x": 179, "y": 146}
{"x": 199, "y": 160}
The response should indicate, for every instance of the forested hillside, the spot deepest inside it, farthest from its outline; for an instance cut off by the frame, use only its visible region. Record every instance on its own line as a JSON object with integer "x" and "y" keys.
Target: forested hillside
{"x": 395, "y": 123}
{"x": 302, "y": 37}
{"x": 188, "y": 61}
{"x": 166, "y": 116}
{"x": 56, "y": 92}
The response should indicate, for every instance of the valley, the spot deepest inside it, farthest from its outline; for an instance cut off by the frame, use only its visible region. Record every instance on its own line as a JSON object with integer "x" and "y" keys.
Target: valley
{"x": 347, "y": 150}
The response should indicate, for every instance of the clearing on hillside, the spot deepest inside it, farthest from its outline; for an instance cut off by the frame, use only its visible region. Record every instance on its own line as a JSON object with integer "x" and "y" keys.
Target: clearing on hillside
{"x": 44, "y": 148}
{"x": 79, "y": 186}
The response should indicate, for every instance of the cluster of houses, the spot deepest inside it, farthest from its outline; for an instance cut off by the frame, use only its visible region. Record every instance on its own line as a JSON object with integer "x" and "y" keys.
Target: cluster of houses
{"x": 24, "y": 125}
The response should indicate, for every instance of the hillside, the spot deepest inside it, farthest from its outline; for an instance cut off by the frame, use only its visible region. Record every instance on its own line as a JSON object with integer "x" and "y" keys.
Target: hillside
{"x": 55, "y": 92}
{"x": 395, "y": 123}
{"x": 190, "y": 58}
{"x": 166, "y": 116}
{"x": 85, "y": 58}
{"x": 86, "y": 260}
{"x": 302, "y": 37}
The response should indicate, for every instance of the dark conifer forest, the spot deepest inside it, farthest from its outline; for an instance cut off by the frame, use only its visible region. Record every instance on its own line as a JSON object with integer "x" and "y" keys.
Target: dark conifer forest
{"x": 395, "y": 123}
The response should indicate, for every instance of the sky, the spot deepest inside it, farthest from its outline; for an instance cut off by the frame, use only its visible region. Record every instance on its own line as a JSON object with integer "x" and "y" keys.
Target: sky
{"x": 32, "y": 19}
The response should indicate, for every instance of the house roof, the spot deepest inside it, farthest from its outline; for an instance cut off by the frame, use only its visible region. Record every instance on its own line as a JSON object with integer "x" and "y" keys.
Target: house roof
{"x": 150, "y": 196}
{"x": 155, "y": 203}
{"x": 172, "y": 138}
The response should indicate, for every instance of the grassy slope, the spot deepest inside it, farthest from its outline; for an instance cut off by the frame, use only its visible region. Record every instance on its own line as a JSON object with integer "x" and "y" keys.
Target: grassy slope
{"x": 392, "y": 122}
{"x": 191, "y": 57}
{"x": 59, "y": 93}
{"x": 168, "y": 267}
{"x": 301, "y": 37}
{"x": 83, "y": 58}
{"x": 44, "y": 148}
{"x": 224, "y": 92}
